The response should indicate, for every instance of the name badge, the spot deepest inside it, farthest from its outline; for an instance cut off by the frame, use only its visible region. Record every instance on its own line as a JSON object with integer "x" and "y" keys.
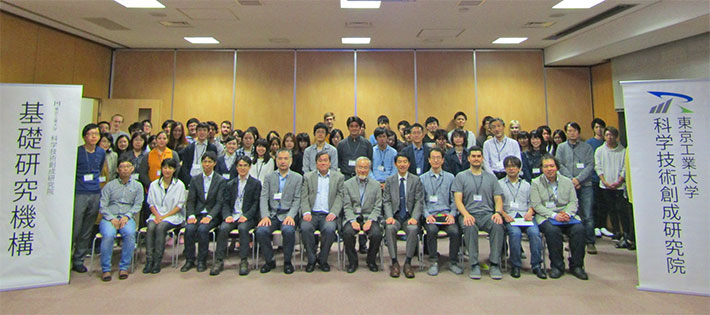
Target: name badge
{"x": 499, "y": 164}
{"x": 381, "y": 168}
{"x": 88, "y": 177}
{"x": 226, "y": 176}
{"x": 514, "y": 205}
{"x": 196, "y": 169}
{"x": 477, "y": 198}
{"x": 550, "y": 204}
{"x": 134, "y": 176}
{"x": 351, "y": 163}
{"x": 580, "y": 165}
{"x": 358, "y": 210}
{"x": 277, "y": 196}
{"x": 102, "y": 179}
{"x": 434, "y": 198}
{"x": 536, "y": 171}
{"x": 157, "y": 173}
{"x": 419, "y": 170}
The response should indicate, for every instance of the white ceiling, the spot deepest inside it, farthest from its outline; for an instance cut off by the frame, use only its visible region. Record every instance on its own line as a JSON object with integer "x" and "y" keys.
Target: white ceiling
{"x": 398, "y": 24}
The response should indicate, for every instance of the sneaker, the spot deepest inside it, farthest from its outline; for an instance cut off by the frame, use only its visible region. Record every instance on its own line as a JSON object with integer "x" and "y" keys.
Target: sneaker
{"x": 598, "y": 232}
{"x": 475, "y": 272}
{"x": 454, "y": 267}
{"x": 433, "y": 270}
{"x": 591, "y": 249}
{"x": 606, "y": 232}
{"x": 495, "y": 273}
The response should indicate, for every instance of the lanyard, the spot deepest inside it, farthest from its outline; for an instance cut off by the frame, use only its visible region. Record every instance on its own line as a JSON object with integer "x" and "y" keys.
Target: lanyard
{"x": 495, "y": 142}
{"x": 480, "y": 183}
{"x": 165, "y": 194}
{"x": 350, "y": 146}
{"x": 554, "y": 193}
{"x": 362, "y": 191}
{"x": 196, "y": 159}
{"x": 88, "y": 163}
{"x": 439, "y": 180}
{"x": 515, "y": 196}
{"x": 382, "y": 156}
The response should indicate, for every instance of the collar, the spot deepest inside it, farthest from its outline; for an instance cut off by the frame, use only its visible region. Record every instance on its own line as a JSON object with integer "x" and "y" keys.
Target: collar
{"x": 507, "y": 179}
{"x": 284, "y": 176}
{"x": 208, "y": 177}
{"x": 399, "y": 177}
{"x": 557, "y": 179}
{"x": 327, "y": 175}
{"x": 502, "y": 141}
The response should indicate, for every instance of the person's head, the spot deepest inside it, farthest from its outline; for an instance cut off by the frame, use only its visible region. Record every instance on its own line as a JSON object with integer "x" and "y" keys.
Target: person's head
{"x": 497, "y": 127}
{"x": 152, "y": 142}
{"x": 417, "y": 133}
{"x": 177, "y": 132}
{"x": 550, "y": 166}
{"x": 274, "y": 144}
{"x": 381, "y": 136}
{"x": 106, "y": 141}
{"x": 147, "y": 126}
{"x": 329, "y": 120}
{"x": 161, "y": 140}
{"x": 322, "y": 161}
{"x": 262, "y": 148}
{"x": 303, "y": 141}
{"x": 391, "y": 138}
{"x": 363, "y": 132}
{"x": 125, "y": 167}
{"x": 362, "y": 167}
{"x": 192, "y": 126}
{"x": 407, "y": 134}
{"x": 558, "y": 136}
{"x": 271, "y": 134}
{"x": 611, "y": 136}
{"x": 436, "y": 158}
{"x": 598, "y": 125}
{"x": 167, "y": 168}
{"x": 230, "y": 144}
{"x": 459, "y": 138}
{"x": 138, "y": 141}
{"x": 225, "y": 128}
{"x": 237, "y": 133}
{"x": 440, "y": 138}
{"x": 475, "y": 157}
{"x": 460, "y": 119}
{"x": 203, "y": 131}
{"x": 116, "y": 122}
{"x": 289, "y": 141}
{"x": 134, "y": 127}
{"x": 248, "y": 139}
{"x": 320, "y": 130}
{"x": 243, "y": 165}
{"x": 383, "y": 122}
{"x": 254, "y": 132}
{"x": 283, "y": 160}
{"x": 208, "y": 159}
{"x": 546, "y": 133}
{"x": 537, "y": 140}
{"x": 432, "y": 124}
{"x": 401, "y": 162}
{"x": 523, "y": 139}
{"x": 336, "y": 135}
{"x": 122, "y": 143}
{"x": 91, "y": 134}
{"x": 573, "y": 129}
{"x": 401, "y": 126}
{"x": 512, "y": 166}
{"x": 166, "y": 126}
{"x": 104, "y": 126}
{"x": 483, "y": 130}
{"x": 514, "y": 128}
{"x": 212, "y": 131}
{"x": 354, "y": 126}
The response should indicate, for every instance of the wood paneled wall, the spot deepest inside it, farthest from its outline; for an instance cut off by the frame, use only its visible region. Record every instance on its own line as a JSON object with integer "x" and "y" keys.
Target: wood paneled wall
{"x": 569, "y": 98}
{"x": 204, "y": 85}
{"x": 603, "y": 94}
{"x": 32, "y": 53}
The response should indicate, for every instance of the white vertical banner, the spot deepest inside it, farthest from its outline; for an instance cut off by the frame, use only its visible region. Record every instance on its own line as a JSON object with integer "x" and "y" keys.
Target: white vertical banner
{"x": 667, "y": 126}
{"x": 38, "y": 156}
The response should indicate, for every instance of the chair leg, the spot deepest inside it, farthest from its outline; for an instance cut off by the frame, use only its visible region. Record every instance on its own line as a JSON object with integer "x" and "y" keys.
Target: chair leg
{"x": 91, "y": 260}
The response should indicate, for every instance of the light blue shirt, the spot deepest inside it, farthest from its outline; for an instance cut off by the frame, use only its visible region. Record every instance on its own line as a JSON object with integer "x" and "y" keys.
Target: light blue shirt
{"x": 418, "y": 157}
{"x": 321, "y": 204}
{"x": 207, "y": 181}
{"x": 383, "y": 163}
{"x": 282, "y": 183}
{"x": 494, "y": 152}
{"x": 240, "y": 199}
{"x": 438, "y": 198}
{"x": 515, "y": 194}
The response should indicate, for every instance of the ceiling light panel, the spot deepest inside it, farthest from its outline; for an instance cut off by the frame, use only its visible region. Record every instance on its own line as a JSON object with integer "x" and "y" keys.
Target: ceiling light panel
{"x": 577, "y": 4}
{"x": 510, "y": 40}
{"x": 202, "y": 40}
{"x": 355, "y": 40}
{"x": 141, "y": 4}
{"x": 359, "y": 4}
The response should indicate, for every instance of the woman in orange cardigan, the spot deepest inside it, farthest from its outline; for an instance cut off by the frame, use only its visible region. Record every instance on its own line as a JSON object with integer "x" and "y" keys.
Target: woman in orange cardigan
{"x": 150, "y": 166}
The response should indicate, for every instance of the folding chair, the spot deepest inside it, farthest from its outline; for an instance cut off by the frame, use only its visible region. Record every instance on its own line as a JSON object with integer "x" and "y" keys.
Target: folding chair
{"x": 317, "y": 234}
{"x": 97, "y": 237}
{"x": 235, "y": 234}
{"x": 214, "y": 239}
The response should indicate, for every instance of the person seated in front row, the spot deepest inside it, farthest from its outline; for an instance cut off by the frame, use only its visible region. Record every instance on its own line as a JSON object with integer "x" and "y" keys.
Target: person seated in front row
{"x": 121, "y": 199}
{"x": 321, "y": 204}
{"x": 555, "y": 202}
{"x": 279, "y": 205}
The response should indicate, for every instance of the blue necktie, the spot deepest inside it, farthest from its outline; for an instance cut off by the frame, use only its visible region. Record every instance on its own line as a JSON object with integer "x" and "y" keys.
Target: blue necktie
{"x": 402, "y": 213}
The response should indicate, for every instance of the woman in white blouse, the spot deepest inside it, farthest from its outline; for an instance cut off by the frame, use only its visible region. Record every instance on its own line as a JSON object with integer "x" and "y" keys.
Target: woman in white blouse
{"x": 166, "y": 198}
{"x": 263, "y": 163}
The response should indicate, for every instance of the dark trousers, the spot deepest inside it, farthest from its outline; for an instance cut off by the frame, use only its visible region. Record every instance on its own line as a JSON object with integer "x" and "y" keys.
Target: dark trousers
{"x": 553, "y": 236}
{"x": 454, "y": 234}
{"x": 244, "y": 238}
{"x": 327, "y": 236}
{"x": 375, "y": 236}
{"x": 201, "y": 233}
{"x": 618, "y": 211}
{"x": 264, "y": 236}
{"x": 599, "y": 207}
{"x": 155, "y": 239}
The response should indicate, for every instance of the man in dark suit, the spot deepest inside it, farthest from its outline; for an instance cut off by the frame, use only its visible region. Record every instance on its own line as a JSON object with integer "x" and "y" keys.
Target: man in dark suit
{"x": 321, "y": 204}
{"x": 362, "y": 205}
{"x": 240, "y": 210}
{"x": 402, "y": 201}
{"x": 279, "y": 205}
{"x": 203, "y": 207}
{"x": 417, "y": 152}
{"x": 192, "y": 154}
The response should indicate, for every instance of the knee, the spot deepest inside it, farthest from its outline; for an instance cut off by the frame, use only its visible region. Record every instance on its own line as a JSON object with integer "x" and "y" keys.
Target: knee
{"x": 262, "y": 232}
{"x": 391, "y": 228}
{"x": 203, "y": 229}
{"x": 288, "y": 229}
{"x": 329, "y": 227}
{"x": 191, "y": 228}
{"x": 411, "y": 229}
{"x": 306, "y": 227}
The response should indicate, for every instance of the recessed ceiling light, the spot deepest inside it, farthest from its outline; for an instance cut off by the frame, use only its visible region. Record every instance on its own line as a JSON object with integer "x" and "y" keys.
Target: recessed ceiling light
{"x": 141, "y": 4}
{"x": 510, "y": 40}
{"x": 577, "y": 4}
{"x": 202, "y": 40}
{"x": 356, "y": 40}
{"x": 359, "y": 4}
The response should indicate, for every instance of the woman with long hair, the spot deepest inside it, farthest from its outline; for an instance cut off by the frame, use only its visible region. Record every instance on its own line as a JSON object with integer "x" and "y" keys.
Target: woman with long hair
{"x": 336, "y": 135}
{"x": 263, "y": 163}
{"x": 122, "y": 144}
{"x": 248, "y": 138}
{"x": 111, "y": 165}
{"x": 177, "y": 140}
{"x": 533, "y": 157}
{"x": 150, "y": 168}
{"x": 289, "y": 142}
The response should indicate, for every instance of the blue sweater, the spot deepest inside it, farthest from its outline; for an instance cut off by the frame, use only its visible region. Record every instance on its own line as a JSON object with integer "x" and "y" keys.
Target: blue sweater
{"x": 89, "y": 163}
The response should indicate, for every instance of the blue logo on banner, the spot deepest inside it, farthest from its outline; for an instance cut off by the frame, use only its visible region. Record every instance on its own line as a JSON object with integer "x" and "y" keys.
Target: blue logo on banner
{"x": 663, "y": 107}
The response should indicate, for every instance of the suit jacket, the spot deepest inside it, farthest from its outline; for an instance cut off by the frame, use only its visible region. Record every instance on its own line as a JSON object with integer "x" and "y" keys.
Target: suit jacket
{"x": 452, "y": 164}
{"x": 541, "y": 192}
{"x": 290, "y": 196}
{"x": 335, "y": 192}
{"x": 221, "y": 168}
{"x": 414, "y": 194}
{"x": 371, "y": 205}
{"x": 409, "y": 152}
{"x": 196, "y": 196}
{"x": 188, "y": 158}
{"x": 250, "y": 203}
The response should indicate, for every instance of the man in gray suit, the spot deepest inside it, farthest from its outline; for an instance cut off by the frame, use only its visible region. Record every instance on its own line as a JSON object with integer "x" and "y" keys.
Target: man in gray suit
{"x": 280, "y": 202}
{"x": 321, "y": 204}
{"x": 362, "y": 204}
{"x": 402, "y": 201}
{"x": 203, "y": 208}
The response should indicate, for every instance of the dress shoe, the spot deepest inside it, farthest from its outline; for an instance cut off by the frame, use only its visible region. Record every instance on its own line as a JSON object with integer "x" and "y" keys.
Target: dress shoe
{"x": 244, "y": 268}
{"x": 579, "y": 273}
{"x": 148, "y": 266}
{"x": 394, "y": 270}
{"x": 351, "y": 268}
{"x": 373, "y": 267}
{"x": 556, "y": 273}
{"x": 515, "y": 272}
{"x": 156, "y": 268}
{"x": 408, "y": 271}
{"x": 188, "y": 265}
{"x": 495, "y": 272}
{"x": 310, "y": 267}
{"x": 79, "y": 268}
{"x": 201, "y": 266}
{"x": 288, "y": 268}
{"x": 591, "y": 249}
{"x": 540, "y": 273}
{"x": 123, "y": 275}
{"x": 106, "y": 277}
{"x": 267, "y": 267}
{"x": 217, "y": 268}
{"x": 475, "y": 272}
{"x": 325, "y": 267}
